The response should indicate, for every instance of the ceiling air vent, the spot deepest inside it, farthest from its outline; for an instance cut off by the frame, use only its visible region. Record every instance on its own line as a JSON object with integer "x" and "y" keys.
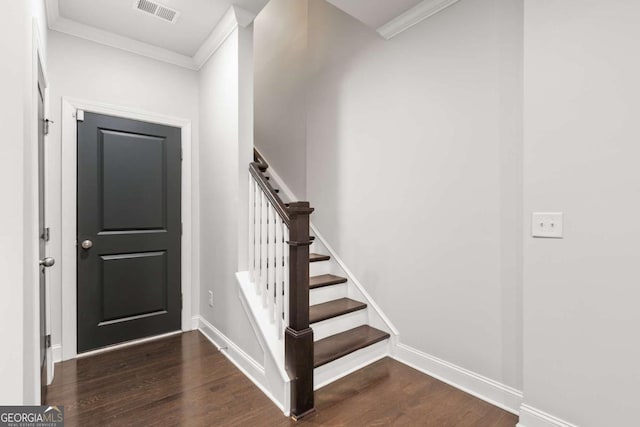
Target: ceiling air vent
{"x": 156, "y": 9}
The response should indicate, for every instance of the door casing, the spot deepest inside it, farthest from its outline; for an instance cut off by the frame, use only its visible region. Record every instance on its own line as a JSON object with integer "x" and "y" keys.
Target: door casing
{"x": 33, "y": 333}
{"x": 70, "y": 108}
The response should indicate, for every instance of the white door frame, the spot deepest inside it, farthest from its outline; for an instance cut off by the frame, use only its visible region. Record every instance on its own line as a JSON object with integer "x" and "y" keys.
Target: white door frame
{"x": 38, "y": 60}
{"x": 70, "y": 107}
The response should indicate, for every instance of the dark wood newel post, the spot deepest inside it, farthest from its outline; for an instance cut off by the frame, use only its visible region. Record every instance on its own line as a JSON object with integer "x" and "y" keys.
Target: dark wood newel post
{"x": 298, "y": 335}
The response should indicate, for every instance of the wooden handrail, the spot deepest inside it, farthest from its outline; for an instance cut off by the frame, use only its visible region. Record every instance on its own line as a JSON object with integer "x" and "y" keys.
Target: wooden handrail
{"x": 274, "y": 199}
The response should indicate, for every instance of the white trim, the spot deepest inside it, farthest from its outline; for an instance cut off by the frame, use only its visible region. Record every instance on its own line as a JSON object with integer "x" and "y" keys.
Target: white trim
{"x": 73, "y": 28}
{"x": 245, "y": 363}
{"x": 195, "y": 322}
{"x": 265, "y": 331}
{"x": 68, "y": 205}
{"x": 127, "y": 344}
{"x": 38, "y": 58}
{"x": 56, "y": 351}
{"x": 413, "y": 16}
{"x": 225, "y": 27}
{"x": 228, "y": 23}
{"x": 498, "y": 394}
{"x": 370, "y": 301}
{"x": 532, "y": 417}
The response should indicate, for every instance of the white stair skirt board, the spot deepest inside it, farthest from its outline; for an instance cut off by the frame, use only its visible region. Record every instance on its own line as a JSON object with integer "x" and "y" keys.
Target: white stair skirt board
{"x": 532, "y": 417}
{"x": 333, "y": 371}
{"x": 327, "y": 293}
{"x": 339, "y": 324}
{"x": 484, "y": 388}
{"x": 246, "y": 364}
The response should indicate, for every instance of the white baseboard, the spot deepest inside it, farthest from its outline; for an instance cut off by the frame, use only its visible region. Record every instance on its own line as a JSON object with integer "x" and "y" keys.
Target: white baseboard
{"x": 532, "y": 417}
{"x": 245, "y": 363}
{"x": 195, "y": 323}
{"x": 56, "y": 352}
{"x": 484, "y": 388}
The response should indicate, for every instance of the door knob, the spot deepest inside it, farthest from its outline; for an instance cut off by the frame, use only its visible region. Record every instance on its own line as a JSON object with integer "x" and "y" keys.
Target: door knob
{"x": 87, "y": 244}
{"x": 47, "y": 262}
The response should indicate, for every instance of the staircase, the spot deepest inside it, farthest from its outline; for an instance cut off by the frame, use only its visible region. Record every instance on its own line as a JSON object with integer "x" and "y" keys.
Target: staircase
{"x": 334, "y": 337}
{"x": 340, "y": 322}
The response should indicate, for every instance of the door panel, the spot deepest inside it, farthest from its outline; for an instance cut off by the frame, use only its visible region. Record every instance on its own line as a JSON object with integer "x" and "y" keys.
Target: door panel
{"x": 129, "y": 209}
{"x": 142, "y": 206}
{"x": 133, "y": 285}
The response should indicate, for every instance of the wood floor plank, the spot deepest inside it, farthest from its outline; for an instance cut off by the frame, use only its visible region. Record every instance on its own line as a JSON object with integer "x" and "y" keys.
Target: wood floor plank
{"x": 184, "y": 381}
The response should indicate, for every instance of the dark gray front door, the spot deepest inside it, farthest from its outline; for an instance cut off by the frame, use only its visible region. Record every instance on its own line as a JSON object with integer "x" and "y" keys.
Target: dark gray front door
{"x": 129, "y": 230}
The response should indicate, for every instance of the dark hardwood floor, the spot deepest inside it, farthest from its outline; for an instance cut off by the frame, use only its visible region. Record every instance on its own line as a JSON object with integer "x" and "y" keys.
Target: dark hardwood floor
{"x": 183, "y": 380}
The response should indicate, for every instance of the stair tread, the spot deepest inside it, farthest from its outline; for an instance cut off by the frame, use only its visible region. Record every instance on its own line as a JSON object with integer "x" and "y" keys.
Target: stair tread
{"x": 336, "y": 346}
{"x": 335, "y": 308}
{"x": 318, "y": 257}
{"x": 325, "y": 280}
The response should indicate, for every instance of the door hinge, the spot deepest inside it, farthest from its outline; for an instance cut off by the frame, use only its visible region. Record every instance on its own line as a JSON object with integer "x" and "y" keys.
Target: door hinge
{"x": 80, "y": 115}
{"x": 47, "y": 123}
{"x": 46, "y": 234}
{"x": 47, "y": 341}
{"x": 181, "y": 302}
{"x": 181, "y": 153}
{"x": 181, "y": 228}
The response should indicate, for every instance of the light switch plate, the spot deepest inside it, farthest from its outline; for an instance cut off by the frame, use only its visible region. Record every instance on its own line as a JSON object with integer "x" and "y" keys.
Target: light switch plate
{"x": 547, "y": 224}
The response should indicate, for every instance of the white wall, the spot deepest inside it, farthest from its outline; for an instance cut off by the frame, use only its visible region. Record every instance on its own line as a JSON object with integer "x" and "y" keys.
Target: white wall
{"x": 13, "y": 45}
{"x": 19, "y": 365}
{"x": 581, "y": 317}
{"x": 223, "y": 164}
{"x": 94, "y": 72}
{"x": 280, "y": 40}
{"x": 414, "y": 168}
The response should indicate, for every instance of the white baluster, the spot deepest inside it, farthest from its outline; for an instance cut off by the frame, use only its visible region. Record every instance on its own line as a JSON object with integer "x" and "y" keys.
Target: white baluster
{"x": 263, "y": 248}
{"x": 286, "y": 279}
{"x": 252, "y": 226}
{"x": 257, "y": 230}
{"x": 272, "y": 262}
{"x": 279, "y": 278}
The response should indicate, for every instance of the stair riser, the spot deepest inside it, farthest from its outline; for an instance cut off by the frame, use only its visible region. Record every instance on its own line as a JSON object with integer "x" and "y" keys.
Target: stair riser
{"x": 320, "y": 267}
{"x": 326, "y": 374}
{"x": 327, "y": 293}
{"x": 339, "y": 324}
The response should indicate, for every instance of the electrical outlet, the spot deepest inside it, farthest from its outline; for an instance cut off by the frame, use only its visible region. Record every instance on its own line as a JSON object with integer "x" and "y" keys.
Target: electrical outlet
{"x": 547, "y": 224}
{"x": 210, "y": 298}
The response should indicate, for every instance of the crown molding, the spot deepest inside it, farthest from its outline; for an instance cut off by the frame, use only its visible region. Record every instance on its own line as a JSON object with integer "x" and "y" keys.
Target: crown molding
{"x": 413, "y": 16}
{"x": 224, "y": 28}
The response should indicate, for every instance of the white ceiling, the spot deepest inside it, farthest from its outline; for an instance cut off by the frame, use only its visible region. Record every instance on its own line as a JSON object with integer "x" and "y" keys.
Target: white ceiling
{"x": 203, "y": 25}
{"x": 197, "y": 20}
{"x": 374, "y": 13}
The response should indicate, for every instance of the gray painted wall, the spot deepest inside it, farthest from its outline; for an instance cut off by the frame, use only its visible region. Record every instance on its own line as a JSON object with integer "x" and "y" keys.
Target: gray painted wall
{"x": 222, "y": 163}
{"x": 581, "y": 156}
{"x": 414, "y": 168}
{"x": 280, "y": 57}
{"x": 414, "y": 165}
